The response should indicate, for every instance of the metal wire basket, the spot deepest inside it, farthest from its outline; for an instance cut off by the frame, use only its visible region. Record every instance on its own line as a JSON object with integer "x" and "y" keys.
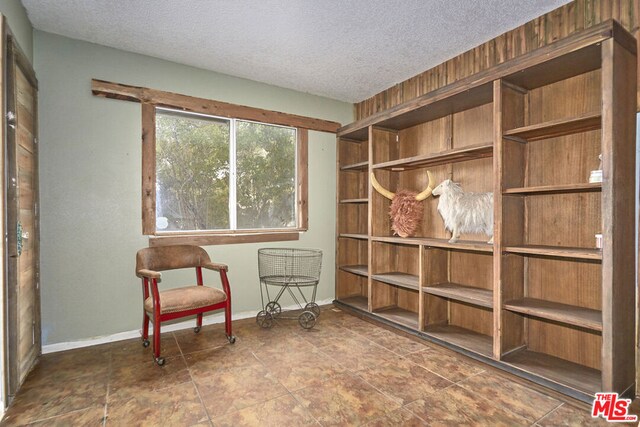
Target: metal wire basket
{"x": 289, "y": 269}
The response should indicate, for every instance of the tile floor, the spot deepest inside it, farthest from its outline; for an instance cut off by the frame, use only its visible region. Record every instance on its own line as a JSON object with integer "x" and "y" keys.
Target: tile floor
{"x": 345, "y": 371}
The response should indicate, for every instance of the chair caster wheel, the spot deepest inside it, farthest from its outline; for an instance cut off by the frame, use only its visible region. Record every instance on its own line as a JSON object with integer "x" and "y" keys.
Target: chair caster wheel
{"x": 196, "y": 329}
{"x": 232, "y": 339}
{"x": 160, "y": 361}
{"x": 145, "y": 343}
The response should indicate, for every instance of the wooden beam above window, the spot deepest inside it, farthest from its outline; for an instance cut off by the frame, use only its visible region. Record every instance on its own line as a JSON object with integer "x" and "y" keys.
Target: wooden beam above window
{"x": 177, "y": 101}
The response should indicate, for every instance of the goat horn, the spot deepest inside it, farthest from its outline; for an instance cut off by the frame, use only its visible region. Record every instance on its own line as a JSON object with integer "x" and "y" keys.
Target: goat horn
{"x": 427, "y": 192}
{"x": 380, "y": 189}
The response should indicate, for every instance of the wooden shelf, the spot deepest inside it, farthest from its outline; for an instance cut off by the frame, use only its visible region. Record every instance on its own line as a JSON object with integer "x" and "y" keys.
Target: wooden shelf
{"x": 569, "y": 374}
{"x": 555, "y": 128}
{"x": 354, "y": 201}
{"x": 355, "y": 166}
{"x": 461, "y": 337}
{"x": 556, "y": 251}
{"x": 357, "y": 301}
{"x": 449, "y": 156}
{"x": 403, "y": 280}
{"x": 556, "y": 189}
{"x": 360, "y": 270}
{"x": 462, "y": 245}
{"x": 353, "y": 236}
{"x": 468, "y": 294}
{"x": 564, "y": 313}
{"x": 399, "y": 315}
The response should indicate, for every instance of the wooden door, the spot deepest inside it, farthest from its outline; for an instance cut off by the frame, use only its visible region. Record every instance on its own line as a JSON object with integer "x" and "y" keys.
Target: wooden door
{"x": 22, "y": 224}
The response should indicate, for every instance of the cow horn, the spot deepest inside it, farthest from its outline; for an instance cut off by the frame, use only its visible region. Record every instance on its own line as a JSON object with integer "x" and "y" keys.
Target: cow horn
{"x": 427, "y": 192}
{"x": 380, "y": 189}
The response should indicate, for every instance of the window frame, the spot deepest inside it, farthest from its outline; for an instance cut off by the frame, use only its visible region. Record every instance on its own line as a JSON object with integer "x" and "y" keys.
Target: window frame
{"x": 215, "y": 237}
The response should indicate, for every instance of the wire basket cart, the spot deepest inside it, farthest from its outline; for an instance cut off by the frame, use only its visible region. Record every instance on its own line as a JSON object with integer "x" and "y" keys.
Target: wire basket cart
{"x": 296, "y": 271}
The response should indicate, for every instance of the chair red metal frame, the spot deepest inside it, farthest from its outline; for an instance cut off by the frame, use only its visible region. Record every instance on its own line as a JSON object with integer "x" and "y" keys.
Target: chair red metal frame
{"x": 150, "y": 287}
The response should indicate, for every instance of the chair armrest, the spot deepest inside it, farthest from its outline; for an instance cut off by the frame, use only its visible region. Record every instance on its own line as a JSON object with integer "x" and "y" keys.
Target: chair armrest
{"x": 215, "y": 266}
{"x": 149, "y": 274}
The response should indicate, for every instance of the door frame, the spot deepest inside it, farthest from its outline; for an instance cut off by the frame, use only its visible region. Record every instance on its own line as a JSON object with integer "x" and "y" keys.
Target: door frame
{"x": 13, "y": 57}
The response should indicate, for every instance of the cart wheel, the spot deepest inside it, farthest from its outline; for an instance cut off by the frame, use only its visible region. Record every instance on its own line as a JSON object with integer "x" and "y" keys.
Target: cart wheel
{"x": 160, "y": 361}
{"x": 274, "y": 308}
{"x": 307, "y": 319}
{"x": 314, "y": 308}
{"x": 145, "y": 343}
{"x": 264, "y": 319}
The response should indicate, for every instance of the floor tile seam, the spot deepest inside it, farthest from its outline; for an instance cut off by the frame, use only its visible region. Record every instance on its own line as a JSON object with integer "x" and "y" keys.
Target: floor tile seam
{"x": 195, "y": 385}
{"x": 304, "y": 408}
{"x": 53, "y": 417}
{"x": 551, "y": 412}
{"x": 483, "y": 398}
{"x": 442, "y": 376}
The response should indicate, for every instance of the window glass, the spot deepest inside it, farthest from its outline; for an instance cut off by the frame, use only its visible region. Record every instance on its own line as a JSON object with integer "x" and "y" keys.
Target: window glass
{"x": 192, "y": 172}
{"x": 266, "y": 175}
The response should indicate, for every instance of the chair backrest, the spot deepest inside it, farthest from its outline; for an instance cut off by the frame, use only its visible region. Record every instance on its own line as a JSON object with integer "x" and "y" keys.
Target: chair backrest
{"x": 171, "y": 257}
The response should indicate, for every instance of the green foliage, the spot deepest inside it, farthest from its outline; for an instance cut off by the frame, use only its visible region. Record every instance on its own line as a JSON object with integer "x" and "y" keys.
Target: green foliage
{"x": 193, "y": 174}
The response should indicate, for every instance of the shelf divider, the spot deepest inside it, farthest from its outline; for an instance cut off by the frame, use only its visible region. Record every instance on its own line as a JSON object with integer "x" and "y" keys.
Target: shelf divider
{"x": 360, "y": 269}
{"x": 403, "y": 280}
{"x": 449, "y": 156}
{"x": 468, "y": 294}
{"x": 565, "y": 313}
{"x": 556, "y": 128}
{"x": 556, "y": 189}
{"x": 557, "y": 251}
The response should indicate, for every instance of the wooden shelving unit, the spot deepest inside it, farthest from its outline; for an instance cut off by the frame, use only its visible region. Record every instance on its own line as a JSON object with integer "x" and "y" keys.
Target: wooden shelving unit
{"x": 541, "y": 301}
{"x": 555, "y": 128}
{"x": 468, "y": 294}
{"x": 556, "y": 251}
{"x": 564, "y": 313}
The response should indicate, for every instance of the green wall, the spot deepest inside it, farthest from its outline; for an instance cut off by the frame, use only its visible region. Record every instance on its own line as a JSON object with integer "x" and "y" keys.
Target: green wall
{"x": 90, "y": 184}
{"x": 20, "y": 25}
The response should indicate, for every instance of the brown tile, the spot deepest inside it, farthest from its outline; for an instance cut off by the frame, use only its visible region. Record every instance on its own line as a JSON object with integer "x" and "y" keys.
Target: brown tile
{"x": 282, "y": 411}
{"x": 55, "y": 399}
{"x": 570, "y": 416}
{"x": 126, "y": 353}
{"x": 515, "y": 397}
{"x": 52, "y": 368}
{"x": 179, "y": 406}
{"x": 126, "y": 381}
{"x": 403, "y": 380}
{"x": 455, "y": 406}
{"x": 358, "y": 353}
{"x": 345, "y": 400}
{"x": 399, "y": 417}
{"x": 397, "y": 343}
{"x": 84, "y": 417}
{"x": 238, "y": 388}
{"x": 211, "y": 362}
{"x": 252, "y": 336}
{"x": 208, "y": 337}
{"x": 326, "y": 334}
{"x": 445, "y": 363}
{"x": 298, "y": 368}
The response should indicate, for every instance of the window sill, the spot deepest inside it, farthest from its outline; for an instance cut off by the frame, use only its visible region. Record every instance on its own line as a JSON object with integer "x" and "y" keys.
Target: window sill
{"x": 224, "y": 239}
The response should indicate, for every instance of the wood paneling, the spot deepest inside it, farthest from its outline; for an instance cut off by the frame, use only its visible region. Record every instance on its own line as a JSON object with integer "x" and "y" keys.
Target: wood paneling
{"x": 542, "y": 31}
{"x": 194, "y": 104}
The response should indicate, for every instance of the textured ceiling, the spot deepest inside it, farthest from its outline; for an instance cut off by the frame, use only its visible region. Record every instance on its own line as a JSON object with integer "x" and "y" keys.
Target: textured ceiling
{"x": 343, "y": 49}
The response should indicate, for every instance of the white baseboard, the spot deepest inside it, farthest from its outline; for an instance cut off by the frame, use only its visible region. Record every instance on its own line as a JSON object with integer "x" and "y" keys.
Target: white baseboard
{"x": 187, "y": 324}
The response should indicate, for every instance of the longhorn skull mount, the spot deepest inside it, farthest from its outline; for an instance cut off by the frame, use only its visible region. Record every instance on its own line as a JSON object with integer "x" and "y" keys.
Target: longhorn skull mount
{"x": 406, "y": 207}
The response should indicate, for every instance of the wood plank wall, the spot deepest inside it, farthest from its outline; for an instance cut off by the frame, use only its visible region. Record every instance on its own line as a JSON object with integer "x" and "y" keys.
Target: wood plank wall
{"x": 546, "y": 29}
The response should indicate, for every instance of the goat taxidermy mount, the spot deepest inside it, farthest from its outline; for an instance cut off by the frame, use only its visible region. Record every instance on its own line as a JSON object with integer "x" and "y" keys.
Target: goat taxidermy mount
{"x": 464, "y": 212}
{"x": 406, "y": 207}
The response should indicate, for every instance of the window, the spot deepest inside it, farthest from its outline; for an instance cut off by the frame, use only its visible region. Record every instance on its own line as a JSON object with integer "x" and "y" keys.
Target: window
{"x": 217, "y": 174}
{"x": 214, "y": 179}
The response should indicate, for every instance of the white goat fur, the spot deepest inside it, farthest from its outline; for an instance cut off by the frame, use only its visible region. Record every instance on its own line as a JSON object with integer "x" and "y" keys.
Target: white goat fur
{"x": 464, "y": 212}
